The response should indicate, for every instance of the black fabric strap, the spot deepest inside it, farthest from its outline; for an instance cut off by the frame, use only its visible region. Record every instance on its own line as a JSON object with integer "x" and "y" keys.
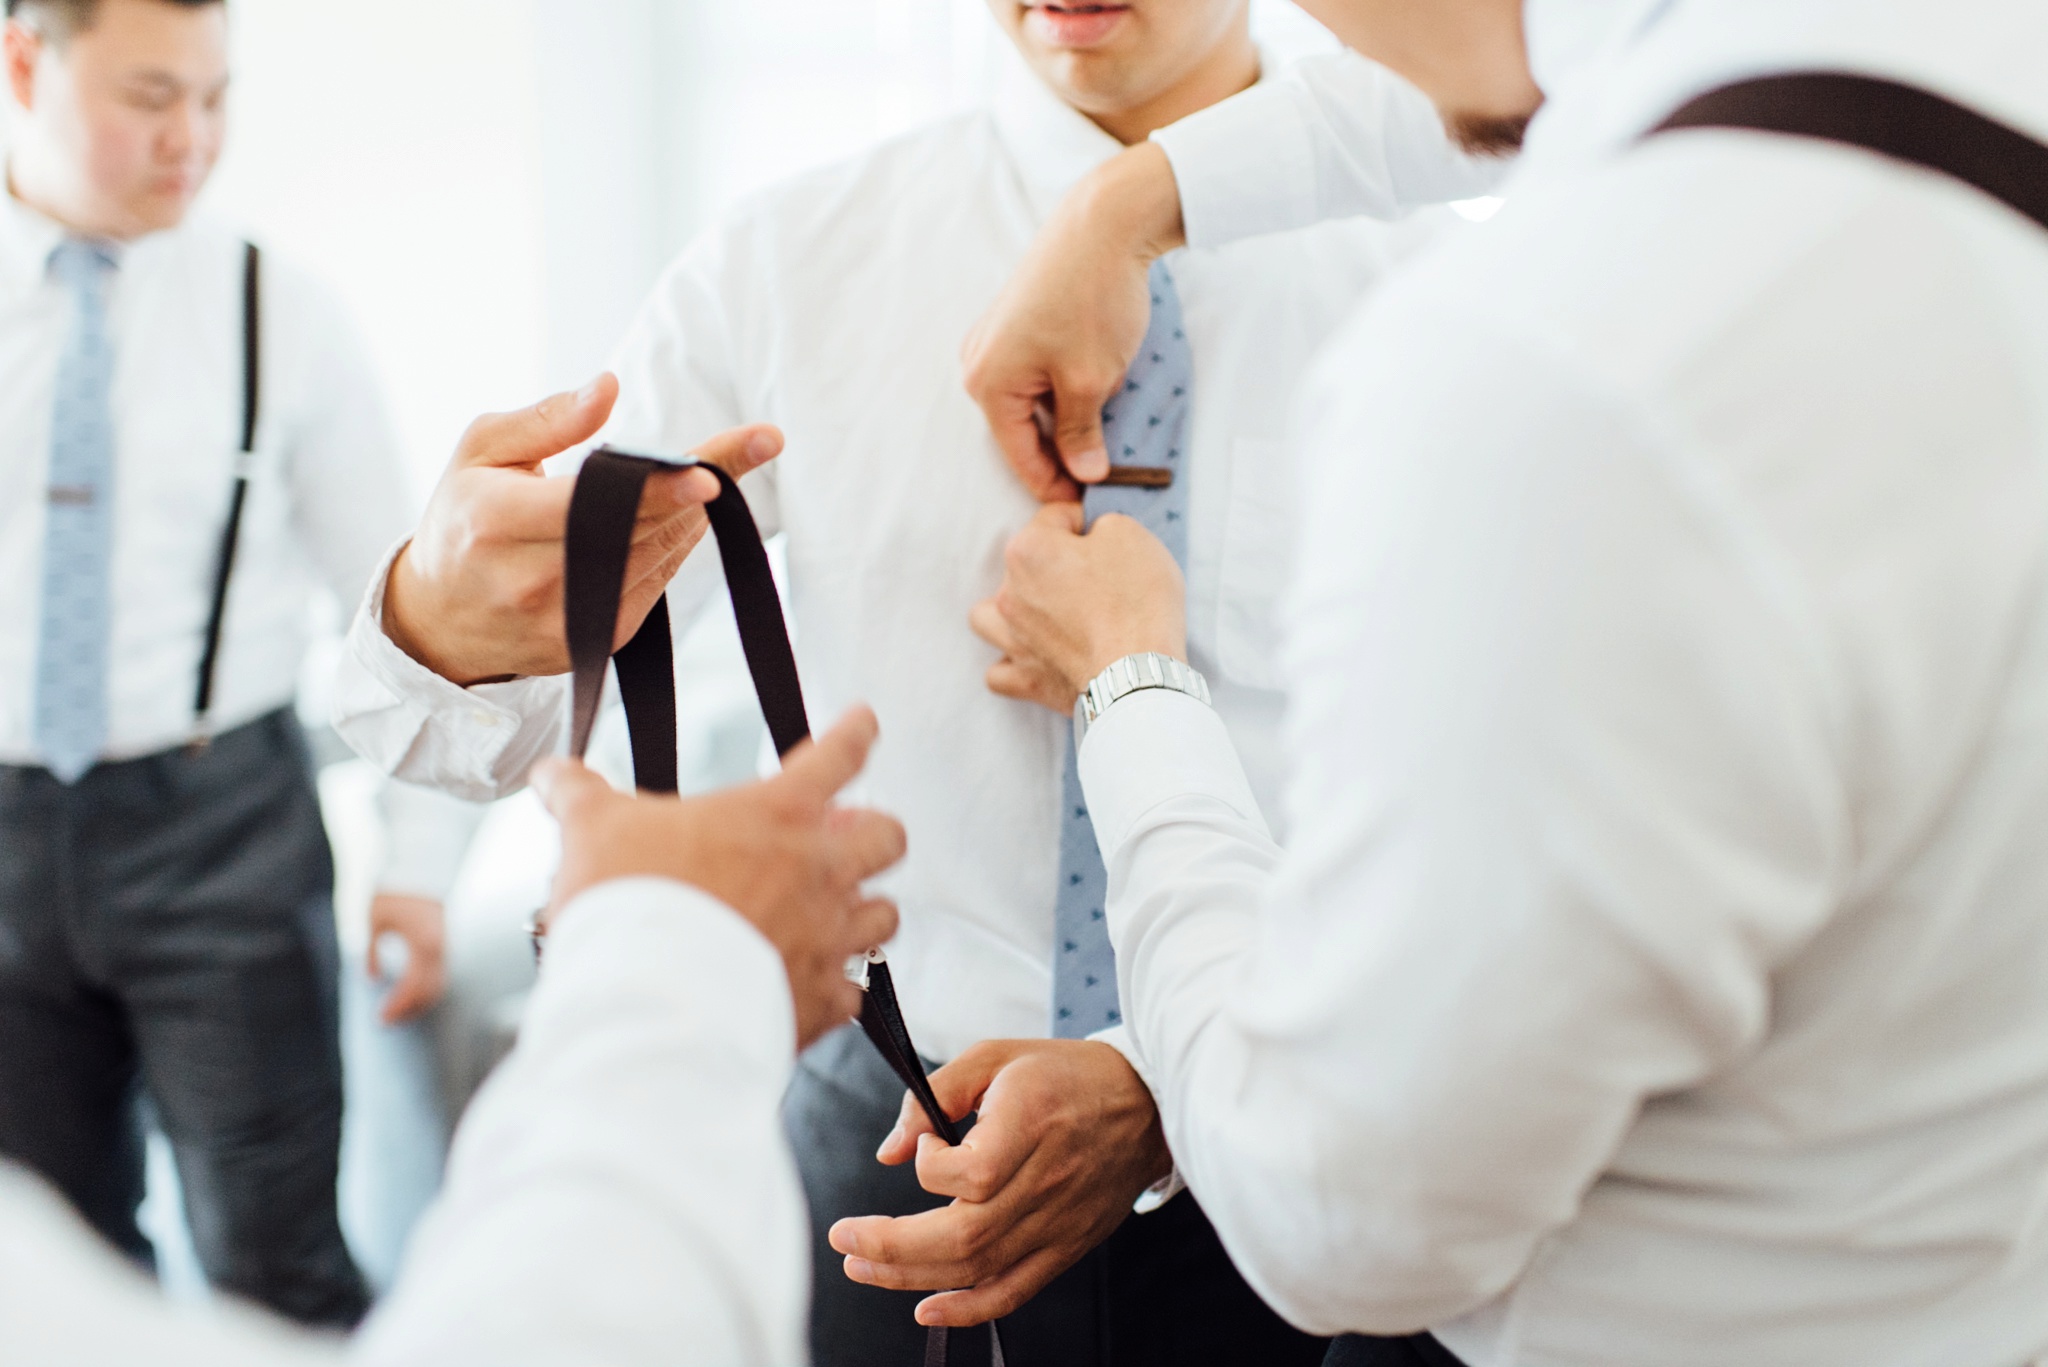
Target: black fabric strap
{"x": 231, "y": 535}
{"x": 603, "y": 511}
{"x": 1901, "y": 122}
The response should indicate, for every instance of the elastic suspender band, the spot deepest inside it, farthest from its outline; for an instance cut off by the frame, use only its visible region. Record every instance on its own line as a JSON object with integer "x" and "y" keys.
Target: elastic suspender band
{"x": 1901, "y": 122}
{"x": 231, "y": 535}
{"x": 602, "y": 513}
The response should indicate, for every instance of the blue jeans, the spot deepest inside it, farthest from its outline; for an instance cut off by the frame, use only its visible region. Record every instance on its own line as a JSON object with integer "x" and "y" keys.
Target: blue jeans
{"x": 167, "y": 930}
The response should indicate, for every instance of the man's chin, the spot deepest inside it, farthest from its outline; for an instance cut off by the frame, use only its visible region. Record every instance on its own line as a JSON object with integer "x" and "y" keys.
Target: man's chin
{"x": 158, "y": 213}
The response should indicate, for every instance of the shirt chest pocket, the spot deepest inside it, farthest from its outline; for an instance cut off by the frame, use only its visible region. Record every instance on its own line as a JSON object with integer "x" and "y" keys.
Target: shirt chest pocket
{"x": 1258, "y": 562}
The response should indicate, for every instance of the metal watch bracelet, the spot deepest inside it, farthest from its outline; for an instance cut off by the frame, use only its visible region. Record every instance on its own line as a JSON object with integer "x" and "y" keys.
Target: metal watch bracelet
{"x": 1135, "y": 674}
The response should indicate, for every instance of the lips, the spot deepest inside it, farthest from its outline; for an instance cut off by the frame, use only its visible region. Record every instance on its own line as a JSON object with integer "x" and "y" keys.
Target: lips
{"x": 1074, "y": 25}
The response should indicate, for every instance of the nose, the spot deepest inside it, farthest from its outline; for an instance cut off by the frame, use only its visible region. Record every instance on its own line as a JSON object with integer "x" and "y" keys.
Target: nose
{"x": 177, "y": 133}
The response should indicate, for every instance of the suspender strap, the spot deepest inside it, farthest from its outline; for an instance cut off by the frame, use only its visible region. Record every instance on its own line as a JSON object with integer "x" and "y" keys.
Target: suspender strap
{"x": 602, "y": 513}
{"x": 231, "y": 535}
{"x": 1901, "y": 122}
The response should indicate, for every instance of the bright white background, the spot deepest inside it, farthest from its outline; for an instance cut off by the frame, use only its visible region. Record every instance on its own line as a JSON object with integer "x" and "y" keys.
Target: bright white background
{"x": 493, "y": 185}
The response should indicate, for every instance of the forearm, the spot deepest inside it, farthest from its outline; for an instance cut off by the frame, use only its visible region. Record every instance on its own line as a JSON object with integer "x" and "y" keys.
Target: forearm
{"x": 621, "y": 1192}
{"x": 1338, "y": 137}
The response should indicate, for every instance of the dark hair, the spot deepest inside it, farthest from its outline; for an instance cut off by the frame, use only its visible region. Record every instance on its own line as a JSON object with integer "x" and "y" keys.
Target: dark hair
{"x": 64, "y": 18}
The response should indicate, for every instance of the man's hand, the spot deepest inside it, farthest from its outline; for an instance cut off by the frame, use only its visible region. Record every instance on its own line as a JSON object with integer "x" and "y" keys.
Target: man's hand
{"x": 1056, "y": 343}
{"x": 1066, "y": 1140}
{"x": 1074, "y": 603}
{"x": 477, "y": 594}
{"x": 417, "y": 921}
{"x": 777, "y": 852}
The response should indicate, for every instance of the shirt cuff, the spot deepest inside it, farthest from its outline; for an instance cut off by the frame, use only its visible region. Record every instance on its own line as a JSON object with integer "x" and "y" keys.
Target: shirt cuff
{"x": 386, "y": 705}
{"x": 1153, "y": 746}
{"x": 667, "y": 939}
{"x": 1245, "y": 167}
{"x": 1118, "y": 1037}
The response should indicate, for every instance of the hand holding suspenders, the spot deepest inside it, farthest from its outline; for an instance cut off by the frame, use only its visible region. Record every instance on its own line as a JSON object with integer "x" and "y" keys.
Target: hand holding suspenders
{"x": 602, "y": 513}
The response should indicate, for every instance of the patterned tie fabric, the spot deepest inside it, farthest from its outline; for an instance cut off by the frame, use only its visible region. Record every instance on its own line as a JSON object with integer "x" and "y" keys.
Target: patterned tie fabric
{"x": 1146, "y": 424}
{"x": 71, "y": 657}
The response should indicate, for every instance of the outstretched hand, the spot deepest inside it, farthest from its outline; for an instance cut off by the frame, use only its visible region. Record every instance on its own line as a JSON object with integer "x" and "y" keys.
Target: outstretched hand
{"x": 477, "y": 593}
{"x": 779, "y": 852}
{"x": 1066, "y": 1138}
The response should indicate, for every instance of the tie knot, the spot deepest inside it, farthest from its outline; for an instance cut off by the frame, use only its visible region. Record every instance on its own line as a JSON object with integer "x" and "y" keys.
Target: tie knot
{"x": 82, "y": 263}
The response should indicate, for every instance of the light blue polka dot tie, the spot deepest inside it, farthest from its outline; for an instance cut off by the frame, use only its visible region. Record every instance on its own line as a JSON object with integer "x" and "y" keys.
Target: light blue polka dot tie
{"x": 71, "y": 655}
{"x": 1146, "y": 424}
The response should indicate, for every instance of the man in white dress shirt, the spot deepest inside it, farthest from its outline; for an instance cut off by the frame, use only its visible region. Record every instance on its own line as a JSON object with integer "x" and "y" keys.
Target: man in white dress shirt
{"x": 835, "y": 306}
{"x": 1654, "y": 975}
{"x": 165, "y": 916}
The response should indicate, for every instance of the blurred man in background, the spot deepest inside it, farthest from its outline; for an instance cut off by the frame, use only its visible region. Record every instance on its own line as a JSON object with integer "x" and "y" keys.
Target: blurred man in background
{"x": 835, "y": 306}
{"x": 166, "y": 922}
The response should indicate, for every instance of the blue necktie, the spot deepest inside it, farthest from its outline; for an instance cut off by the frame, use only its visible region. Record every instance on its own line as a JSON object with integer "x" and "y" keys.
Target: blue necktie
{"x": 1146, "y": 424}
{"x": 71, "y": 655}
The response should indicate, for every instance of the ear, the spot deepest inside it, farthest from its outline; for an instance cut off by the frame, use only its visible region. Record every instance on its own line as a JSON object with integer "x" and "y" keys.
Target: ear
{"x": 24, "y": 48}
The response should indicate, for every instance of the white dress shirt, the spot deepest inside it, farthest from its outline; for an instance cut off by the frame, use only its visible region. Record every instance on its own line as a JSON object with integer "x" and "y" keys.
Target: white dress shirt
{"x": 1339, "y": 136}
{"x": 619, "y": 1193}
{"x": 326, "y": 498}
{"x": 1658, "y": 972}
{"x": 835, "y": 306}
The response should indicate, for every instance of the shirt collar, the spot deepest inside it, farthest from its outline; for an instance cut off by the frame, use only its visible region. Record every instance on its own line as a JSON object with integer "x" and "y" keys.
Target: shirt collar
{"x": 1051, "y": 143}
{"x": 26, "y": 240}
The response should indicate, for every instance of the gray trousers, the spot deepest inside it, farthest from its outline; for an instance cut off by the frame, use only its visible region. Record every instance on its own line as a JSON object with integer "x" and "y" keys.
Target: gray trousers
{"x": 167, "y": 931}
{"x": 1160, "y": 1290}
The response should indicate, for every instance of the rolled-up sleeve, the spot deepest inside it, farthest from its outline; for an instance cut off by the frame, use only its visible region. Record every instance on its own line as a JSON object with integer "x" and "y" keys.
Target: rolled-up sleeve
{"x": 1338, "y": 136}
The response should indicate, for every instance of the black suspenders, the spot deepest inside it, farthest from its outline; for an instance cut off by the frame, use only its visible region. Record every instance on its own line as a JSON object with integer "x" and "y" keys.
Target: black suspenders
{"x": 1901, "y": 122}
{"x": 602, "y": 511}
{"x": 224, "y": 565}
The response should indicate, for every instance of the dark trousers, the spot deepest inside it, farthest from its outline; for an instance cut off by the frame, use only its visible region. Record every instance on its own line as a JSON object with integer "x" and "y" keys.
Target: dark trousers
{"x": 1160, "y": 1290}
{"x": 1419, "y": 1350}
{"x": 167, "y": 931}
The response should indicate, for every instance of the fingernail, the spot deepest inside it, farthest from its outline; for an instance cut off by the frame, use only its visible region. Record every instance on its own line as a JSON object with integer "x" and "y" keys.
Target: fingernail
{"x": 860, "y": 1269}
{"x": 1091, "y": 466}
{"x": 589, "y": 391}
{"x": 895, "y": 1137}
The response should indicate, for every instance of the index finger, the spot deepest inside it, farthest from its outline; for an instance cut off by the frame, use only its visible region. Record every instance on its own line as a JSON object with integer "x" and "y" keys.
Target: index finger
{"x": 980, "y": 1165}
{"x": 528, "y": 436}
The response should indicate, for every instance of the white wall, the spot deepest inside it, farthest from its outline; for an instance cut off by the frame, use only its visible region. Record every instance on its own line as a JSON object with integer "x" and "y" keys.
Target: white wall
{"x": 393, "y": 147}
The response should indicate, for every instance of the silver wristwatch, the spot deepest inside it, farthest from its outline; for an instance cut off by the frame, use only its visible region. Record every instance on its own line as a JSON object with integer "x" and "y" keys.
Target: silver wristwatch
{"x": 1134, "y": 674}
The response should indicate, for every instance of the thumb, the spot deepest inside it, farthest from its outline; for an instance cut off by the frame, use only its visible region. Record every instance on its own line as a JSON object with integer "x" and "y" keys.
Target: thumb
{"x": 525, "y": 438}
{"x": 568, "y": 788}
{"x": 742, "y": 450}
{"x": 1077, "y": 429}
{"x": 959, "y": 1087}
{"x": 826, "y": 765}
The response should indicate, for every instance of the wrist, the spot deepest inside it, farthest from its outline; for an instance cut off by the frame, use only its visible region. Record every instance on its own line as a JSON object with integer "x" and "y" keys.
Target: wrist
{"x": 1172, "y": 644}
{"x": 399, "y": 612}
{"x": 1133, "y": 199}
